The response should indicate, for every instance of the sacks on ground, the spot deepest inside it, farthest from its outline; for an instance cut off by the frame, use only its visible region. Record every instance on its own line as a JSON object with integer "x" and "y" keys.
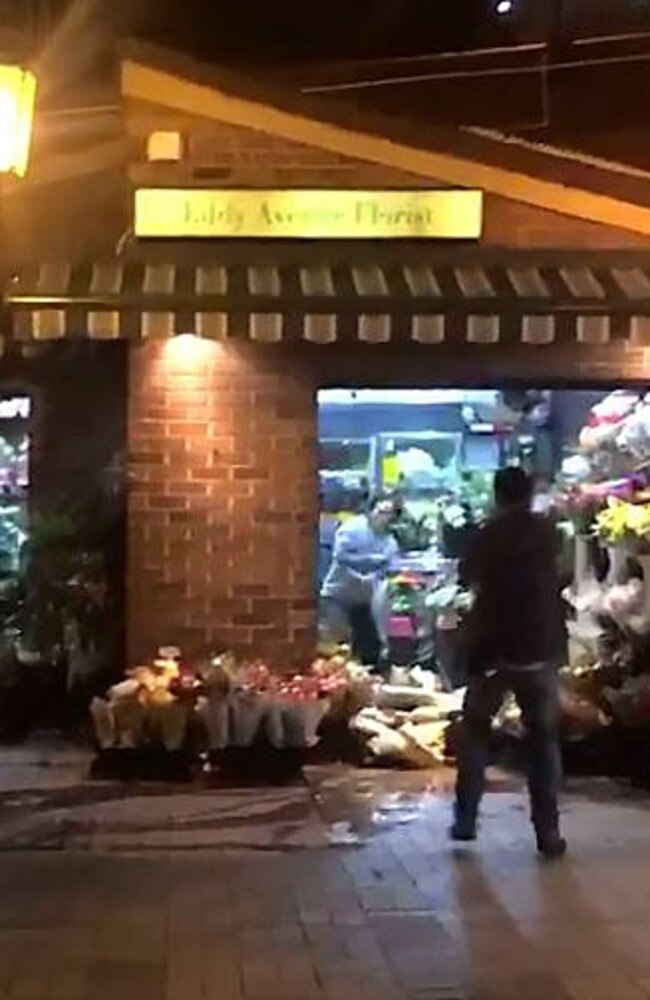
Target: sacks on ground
{"x": 429, "y": 737}
{"x": 404, "y": 697}
{"x": 630, "y": 704}
{"x": 580, "y": 717}
{"x": 391, "y": 738}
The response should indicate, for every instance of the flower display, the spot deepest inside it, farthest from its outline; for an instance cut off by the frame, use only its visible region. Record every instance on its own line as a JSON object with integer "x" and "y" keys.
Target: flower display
{"x": 234, "y": 702}
{"x": 623, "y": 522}
{"x": 578, "y": 506}
{"x": 153, "y": 705}
{"x": 634, "y": 435}
{"x": 404, "y": 592}
{"x": 606, "y": 418}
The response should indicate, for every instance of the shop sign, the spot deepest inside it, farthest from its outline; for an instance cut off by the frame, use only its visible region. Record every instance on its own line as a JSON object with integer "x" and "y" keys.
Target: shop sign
{"x": 15, "y": 408}
{"x": 301, "y": 214}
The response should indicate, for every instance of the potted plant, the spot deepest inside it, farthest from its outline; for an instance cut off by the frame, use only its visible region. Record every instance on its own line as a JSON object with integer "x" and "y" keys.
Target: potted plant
{"x": 61, "y": 613}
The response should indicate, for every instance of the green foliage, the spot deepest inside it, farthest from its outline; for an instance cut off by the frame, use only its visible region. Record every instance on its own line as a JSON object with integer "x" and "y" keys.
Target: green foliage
{"x": 412, "y": 534}
{"x": 62, "y": 588}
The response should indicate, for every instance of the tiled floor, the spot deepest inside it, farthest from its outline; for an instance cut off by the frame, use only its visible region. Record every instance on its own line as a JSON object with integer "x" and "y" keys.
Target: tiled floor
{"x": 172, "y": 894}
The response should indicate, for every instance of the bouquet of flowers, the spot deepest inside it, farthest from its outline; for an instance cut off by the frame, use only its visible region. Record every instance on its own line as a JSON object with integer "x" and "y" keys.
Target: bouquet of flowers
{"x": 605, "y": 420}
{"x": 634, "y": 436}
{"x": 152, "y": 705}
{"x": 623, "y": 522}
{"x": 248, "y": 700}
{"x": 301, "y": 708}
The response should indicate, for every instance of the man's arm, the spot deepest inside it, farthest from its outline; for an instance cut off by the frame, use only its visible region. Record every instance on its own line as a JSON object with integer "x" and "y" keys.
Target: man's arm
{"x": 348, "y": 552}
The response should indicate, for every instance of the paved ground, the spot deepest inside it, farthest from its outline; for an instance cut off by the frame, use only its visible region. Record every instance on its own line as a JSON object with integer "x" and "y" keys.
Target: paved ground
{"x": 191, "y": 893}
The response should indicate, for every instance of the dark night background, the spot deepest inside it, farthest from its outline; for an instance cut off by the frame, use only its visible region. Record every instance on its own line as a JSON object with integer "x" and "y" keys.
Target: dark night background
{"x": 320, "y": 27}
{"x": 302, "y": 30}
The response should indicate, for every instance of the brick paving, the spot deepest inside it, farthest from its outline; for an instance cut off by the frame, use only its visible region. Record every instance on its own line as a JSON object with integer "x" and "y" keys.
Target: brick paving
{"x": 194, "y": 894}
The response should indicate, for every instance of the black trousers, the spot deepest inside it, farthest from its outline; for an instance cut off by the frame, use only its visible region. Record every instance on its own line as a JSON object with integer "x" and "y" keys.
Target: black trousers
{"x": 366, "y": 644}
{"x": 537, "y": 694}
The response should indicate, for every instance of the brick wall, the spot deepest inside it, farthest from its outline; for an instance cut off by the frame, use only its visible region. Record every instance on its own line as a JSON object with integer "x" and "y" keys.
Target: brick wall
{"x": 223, "y": 155}
{"x": 222, "y": 502}
{"x": 514, "y": 224}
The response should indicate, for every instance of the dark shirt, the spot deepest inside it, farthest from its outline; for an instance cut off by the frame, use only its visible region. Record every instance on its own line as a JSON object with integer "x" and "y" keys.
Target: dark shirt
{"x": 512, "y": 566}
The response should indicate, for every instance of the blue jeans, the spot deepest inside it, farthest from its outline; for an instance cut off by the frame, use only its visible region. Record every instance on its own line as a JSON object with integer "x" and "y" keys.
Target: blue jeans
{"x": 537, "y": 694}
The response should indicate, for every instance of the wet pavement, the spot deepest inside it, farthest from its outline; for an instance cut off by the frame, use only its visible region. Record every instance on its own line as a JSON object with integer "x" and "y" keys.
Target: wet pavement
{"x": 342, "y": 884}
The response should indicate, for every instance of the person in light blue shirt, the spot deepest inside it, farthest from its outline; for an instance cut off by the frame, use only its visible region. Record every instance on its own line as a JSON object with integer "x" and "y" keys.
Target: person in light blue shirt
{"x": 364, "y": 550}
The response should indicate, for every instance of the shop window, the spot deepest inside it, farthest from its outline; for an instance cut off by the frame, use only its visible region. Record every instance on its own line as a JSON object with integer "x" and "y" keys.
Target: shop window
{"x": 14, "y": 480}
{"x": 432, "y": 456}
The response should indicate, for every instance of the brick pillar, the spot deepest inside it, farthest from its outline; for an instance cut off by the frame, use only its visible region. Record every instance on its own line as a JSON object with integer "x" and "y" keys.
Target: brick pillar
{"x": 222, "y": 502}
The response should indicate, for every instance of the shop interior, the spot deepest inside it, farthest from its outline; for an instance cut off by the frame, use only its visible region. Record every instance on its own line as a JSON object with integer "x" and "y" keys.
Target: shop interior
{"x": 436, "y": 451}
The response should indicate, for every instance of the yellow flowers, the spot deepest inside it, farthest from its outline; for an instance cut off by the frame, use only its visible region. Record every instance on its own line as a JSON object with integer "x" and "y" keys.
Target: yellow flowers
{"x": 638, "y": 519}
{"x": 612, "y": 522}
{"x": 621, "y": 521}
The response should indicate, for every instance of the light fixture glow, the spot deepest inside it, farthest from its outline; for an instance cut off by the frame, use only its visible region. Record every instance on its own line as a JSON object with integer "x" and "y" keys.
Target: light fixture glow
{"x": 504, "y": 7}
{"x": 17, "y": 98}
{"x": 189, "y": 351}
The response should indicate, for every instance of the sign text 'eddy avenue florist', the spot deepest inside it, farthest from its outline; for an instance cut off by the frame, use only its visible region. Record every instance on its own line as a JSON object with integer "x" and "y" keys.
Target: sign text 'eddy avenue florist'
{"x": 250, "y": 214}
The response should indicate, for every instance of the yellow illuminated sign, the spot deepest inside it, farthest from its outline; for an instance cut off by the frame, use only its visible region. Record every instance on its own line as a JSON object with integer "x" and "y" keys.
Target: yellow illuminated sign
{"x": 254, "y": 214}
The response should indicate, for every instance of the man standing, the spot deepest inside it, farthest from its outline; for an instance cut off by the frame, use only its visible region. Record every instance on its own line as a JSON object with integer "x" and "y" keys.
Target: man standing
{"x": 364, "y": 550}
{"x": 516, "y": 642}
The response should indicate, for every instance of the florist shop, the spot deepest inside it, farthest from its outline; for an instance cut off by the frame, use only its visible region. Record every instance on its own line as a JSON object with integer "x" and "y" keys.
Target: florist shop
{"x": 281, "y": 250}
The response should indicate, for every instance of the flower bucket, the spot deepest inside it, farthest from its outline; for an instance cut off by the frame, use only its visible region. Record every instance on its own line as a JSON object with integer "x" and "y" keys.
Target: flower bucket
{"x": 616, "y": 573}
{"x": 215, "y": 714}
{"x": 301, "y": 721}
{"x": 583, "y": 570}
{"x": 246, "y": 714}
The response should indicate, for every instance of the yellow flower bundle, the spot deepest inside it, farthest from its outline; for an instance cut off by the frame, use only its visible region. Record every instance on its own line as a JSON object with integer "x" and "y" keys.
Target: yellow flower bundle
{"x": 622, "y": 521}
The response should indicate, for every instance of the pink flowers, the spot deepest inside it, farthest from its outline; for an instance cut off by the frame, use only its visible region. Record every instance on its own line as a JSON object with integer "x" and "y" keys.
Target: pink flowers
{"x": 324, "y": 678}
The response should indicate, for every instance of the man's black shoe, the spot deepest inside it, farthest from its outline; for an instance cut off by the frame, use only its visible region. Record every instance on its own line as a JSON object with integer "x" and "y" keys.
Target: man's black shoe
{"x": 551, "y": 846}
{"x": 462, "y": 833}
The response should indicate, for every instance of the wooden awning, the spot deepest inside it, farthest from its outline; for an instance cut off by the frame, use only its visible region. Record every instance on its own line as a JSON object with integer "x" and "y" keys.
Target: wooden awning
{"x": 394, "y": 298}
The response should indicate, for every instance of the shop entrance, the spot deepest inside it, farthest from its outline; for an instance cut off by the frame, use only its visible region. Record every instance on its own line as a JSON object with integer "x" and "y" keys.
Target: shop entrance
{"x": 434, "y": 454}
